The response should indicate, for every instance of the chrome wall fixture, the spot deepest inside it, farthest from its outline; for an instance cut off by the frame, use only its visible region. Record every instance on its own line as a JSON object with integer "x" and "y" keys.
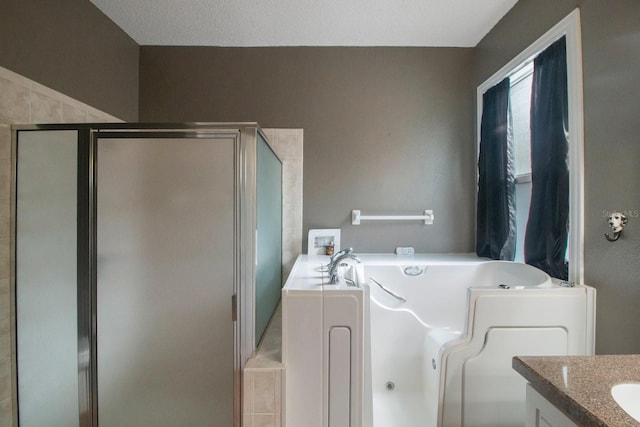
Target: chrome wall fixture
{"x": 616, "y": 221}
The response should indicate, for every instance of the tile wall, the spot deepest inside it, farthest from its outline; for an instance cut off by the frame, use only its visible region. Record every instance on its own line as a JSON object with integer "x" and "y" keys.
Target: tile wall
{"x": 263, "y": 397}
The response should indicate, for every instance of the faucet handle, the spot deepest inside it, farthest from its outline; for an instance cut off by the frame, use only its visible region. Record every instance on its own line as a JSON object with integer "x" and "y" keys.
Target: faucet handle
{"x": 344, "y": 251}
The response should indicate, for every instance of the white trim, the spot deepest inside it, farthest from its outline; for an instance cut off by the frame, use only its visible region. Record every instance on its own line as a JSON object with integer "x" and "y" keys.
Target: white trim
{"x": 522, "y": 73}
{"x": 569, "y": 27}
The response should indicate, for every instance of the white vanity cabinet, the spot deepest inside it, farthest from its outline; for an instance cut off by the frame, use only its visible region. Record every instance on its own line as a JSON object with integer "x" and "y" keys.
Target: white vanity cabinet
{"x": 542, "y": 413}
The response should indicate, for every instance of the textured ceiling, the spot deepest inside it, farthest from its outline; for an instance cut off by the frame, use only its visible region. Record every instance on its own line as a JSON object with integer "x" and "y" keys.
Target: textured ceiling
{"x": 240, "y": 23}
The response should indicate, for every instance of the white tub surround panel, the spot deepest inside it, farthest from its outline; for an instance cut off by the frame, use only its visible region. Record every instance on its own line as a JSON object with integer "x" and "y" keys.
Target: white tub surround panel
{"x": 323, "y": 347}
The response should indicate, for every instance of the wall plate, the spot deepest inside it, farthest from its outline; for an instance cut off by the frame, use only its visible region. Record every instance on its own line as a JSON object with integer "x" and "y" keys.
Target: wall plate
{"x": 319, "y": 239}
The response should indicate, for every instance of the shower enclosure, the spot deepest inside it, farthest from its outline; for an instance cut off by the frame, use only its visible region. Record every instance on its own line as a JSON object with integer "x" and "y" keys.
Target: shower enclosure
{"x": 147, "y": 264}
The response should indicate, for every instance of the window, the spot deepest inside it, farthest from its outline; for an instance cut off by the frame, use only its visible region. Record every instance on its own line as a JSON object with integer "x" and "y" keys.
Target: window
{"x": 520, "y": 106}
{"x": 520, "y": 82}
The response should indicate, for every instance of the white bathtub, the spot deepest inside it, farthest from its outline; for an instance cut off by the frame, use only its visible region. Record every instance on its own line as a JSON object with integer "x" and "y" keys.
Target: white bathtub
{"x": 440, "y": 358}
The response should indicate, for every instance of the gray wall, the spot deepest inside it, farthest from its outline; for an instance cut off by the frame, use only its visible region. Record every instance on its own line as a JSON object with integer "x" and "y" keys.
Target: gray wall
{"x": 611, "y": 66}
{"x": 73, "y": 48}
{"x": 386, "y": 130}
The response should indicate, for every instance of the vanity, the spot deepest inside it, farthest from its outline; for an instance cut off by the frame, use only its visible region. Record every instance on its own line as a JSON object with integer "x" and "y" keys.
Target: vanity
{"x": 576, "y": 390}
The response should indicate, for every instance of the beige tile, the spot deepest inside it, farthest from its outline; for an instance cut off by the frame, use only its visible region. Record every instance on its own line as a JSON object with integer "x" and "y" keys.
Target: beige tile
{"x": 14, "y": 77}
{"x": 14, "y": 101}
{"x": 4, "y": 258}
{"x": 45, "y": 90}
{"x": 45, "y": 108}
{"x": 283, "y": 394}
{"x": 247, "y": 420}
{"x": 287, "y": 143}
{"x": 5, "y": 342}
{"x": 6, "y": 413}
{"x": 292, "y": 179}
{"x": 5, "y": 141}
{"x": 5, "y": 367}
{"x": 97, "y": 116}
{"x": 73, "y": 113}
{"x": 12, "y": 337}
{"x": 5, "y": 287}
{"x": 5, "y": 333}
{"x": 269, "y": 352}
{"x": 5, "y": 304}
{"x": 248, "y": 393}
{"x": 94, "y": 118}
{"x": 277, "y": 391}
{"x": 271, "y": 135}
{"x": 5, "y": 219}
{"x": 263, "y": 392}
{"x": 26, "y": 101}
{"x": 5, "y": 322}
{"x": 5, "y": 179}
{"x": 263, "y": 420}
{"x": 5, "y": 386}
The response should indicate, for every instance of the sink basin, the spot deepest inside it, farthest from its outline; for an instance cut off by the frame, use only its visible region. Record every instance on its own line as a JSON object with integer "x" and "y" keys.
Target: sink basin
{"x": 628, "y": 397}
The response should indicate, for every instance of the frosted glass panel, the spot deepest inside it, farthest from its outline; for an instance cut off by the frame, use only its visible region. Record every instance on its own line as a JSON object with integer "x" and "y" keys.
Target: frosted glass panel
{"x": 46, "y": 275}
{"x": 269, "y": 223}
{"x": 165, "y": 227}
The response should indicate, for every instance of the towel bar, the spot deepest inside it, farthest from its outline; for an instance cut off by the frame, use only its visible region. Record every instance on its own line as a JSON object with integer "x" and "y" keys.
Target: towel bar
{"x": 356, "y": 217}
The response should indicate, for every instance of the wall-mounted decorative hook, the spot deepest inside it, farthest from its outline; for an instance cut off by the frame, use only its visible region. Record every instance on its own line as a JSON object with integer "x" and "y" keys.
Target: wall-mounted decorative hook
{"x": 616, "y": 221}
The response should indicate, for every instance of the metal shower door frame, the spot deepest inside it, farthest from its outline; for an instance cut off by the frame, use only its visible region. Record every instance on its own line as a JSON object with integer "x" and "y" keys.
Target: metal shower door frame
{"x": 244, "y": 250}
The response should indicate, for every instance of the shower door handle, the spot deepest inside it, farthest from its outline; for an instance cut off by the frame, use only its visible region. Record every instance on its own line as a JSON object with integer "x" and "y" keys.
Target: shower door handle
{"x": 234, "y": 308}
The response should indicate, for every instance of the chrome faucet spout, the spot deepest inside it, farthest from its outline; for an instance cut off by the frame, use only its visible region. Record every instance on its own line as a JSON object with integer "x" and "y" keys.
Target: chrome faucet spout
{"x": 340, "y": 261}
{"x": 337, "y": 255}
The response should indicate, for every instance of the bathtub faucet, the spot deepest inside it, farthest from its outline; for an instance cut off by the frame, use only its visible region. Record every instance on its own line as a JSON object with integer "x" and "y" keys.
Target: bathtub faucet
{"x": 343, "y": 260}
{"x": 334, "y": 257}
{"x": 338, "y": 254}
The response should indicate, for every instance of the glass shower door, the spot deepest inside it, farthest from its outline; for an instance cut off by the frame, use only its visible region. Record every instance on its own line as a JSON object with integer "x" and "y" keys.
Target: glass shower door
{"x": 269, "y": 232}
{"x": 46, "y": 278}
{"x": 165, "y": 251}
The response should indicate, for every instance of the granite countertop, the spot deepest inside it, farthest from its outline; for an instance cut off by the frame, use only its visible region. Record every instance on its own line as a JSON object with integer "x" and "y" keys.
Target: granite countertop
{"x": 580, "y": 386}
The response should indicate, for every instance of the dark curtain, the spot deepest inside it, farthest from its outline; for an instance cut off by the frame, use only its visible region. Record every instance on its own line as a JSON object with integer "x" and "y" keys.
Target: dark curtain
{"x": 545, "y": 242}
{"x": 496, "y": 223}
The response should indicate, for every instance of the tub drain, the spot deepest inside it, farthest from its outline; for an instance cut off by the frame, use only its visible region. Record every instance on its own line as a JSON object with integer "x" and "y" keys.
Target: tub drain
{"x": 390, "y": 386}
